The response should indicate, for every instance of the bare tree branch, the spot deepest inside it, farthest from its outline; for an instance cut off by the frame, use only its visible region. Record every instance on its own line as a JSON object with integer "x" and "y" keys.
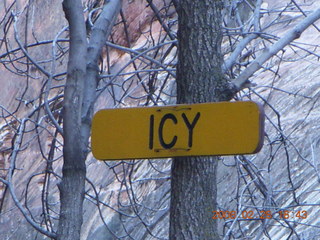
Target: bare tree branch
{"x": 228, "y": 63}
{"x": 9, "y": 182}
{"x": 276, "y": 47}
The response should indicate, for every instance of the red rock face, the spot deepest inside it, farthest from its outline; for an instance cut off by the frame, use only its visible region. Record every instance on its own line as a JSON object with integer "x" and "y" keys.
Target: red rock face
{"x": 137, "y": 14}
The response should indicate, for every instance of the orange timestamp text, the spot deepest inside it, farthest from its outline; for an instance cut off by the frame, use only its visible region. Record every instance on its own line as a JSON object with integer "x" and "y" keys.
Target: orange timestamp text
{"x": 263, "y": 214}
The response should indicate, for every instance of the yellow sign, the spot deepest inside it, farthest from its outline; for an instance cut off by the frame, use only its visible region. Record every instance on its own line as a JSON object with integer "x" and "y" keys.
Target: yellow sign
{"x": 222, "y": 128}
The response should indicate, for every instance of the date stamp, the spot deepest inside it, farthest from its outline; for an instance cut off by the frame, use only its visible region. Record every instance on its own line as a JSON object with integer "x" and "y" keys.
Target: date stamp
{"x": 258, "y": 215}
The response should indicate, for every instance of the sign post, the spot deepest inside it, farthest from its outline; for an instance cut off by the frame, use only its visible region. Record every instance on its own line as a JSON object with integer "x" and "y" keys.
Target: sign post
{"x": 223, "y": 128}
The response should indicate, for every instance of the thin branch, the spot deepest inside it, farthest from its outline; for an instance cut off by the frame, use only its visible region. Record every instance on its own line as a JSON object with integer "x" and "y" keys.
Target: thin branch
{"x": 11, "y": 187}
{"x": 227, "y": 65}
{"x": 276, "y": 47}
{"x": 24, "y": 50}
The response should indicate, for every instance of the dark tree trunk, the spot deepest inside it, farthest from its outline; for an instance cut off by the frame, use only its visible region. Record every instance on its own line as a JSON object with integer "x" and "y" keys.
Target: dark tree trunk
{"x": 74, "y": 168}
{"x": 199, "y": 79}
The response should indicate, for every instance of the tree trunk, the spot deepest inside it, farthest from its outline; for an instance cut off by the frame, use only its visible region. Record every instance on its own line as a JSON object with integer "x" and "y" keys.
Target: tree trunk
{"x": 79, "y": 98}
{"x": 199, "y": 79}
{"x": 74, "y": 153}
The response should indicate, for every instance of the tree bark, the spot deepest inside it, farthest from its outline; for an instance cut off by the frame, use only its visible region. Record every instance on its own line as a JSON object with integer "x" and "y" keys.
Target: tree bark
{"x": 74, "y": 168}
{"x": 79, "y": 99}
{"x": 199, "y": 79}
